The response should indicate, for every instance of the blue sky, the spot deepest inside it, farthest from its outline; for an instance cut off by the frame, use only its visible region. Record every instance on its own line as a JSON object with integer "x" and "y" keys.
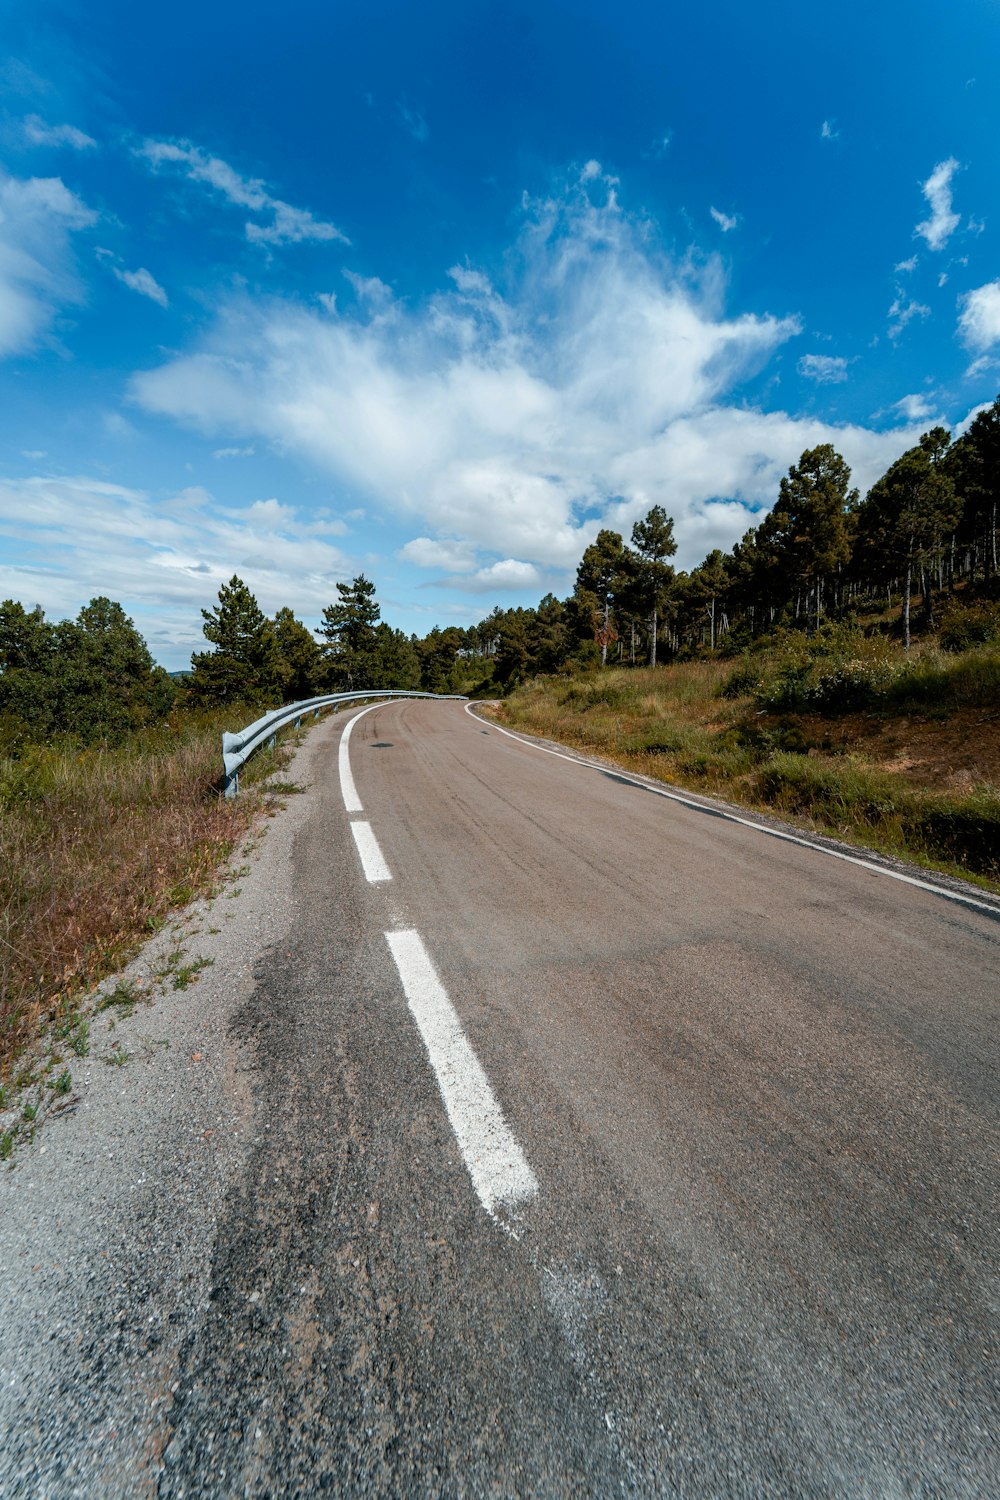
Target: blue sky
{"x": 435, "y": 292}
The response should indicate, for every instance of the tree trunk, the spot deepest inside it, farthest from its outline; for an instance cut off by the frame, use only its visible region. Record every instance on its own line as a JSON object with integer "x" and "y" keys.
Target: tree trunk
{"x": 652, "y": 638}
{"x": 906, "y": 597}
{"x": 604, "y": 635}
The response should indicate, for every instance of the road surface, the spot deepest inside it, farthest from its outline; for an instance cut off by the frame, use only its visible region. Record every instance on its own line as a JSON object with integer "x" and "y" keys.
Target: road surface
{"x": 593, "y": 1143}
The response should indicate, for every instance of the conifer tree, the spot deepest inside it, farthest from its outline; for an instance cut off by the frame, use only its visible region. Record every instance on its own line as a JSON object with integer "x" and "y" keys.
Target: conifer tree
{"x": 245, "y": 666}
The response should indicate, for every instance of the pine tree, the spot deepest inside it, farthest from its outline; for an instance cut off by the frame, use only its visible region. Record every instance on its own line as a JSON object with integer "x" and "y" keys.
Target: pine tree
{"x": 245, "y": 666}
{"x": 349, "y": 628}
{"x": 301, "y": 659}
{"x": 653, "y": 540}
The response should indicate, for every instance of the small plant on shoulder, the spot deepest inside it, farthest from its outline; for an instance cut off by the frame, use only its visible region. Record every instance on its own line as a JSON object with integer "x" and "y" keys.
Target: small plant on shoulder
{"x": 188, "y": 973}
{"x": 117, "y": 1057}
{"x": 63, "y": 1085}
{"x": 124, "y": 998}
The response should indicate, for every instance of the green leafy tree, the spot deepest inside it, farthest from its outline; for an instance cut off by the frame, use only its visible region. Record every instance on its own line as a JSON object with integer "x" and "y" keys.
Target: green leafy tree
{"x": 301, "y": 659}
{"x": 245, "y": 665}
{"x": 395, "y": 660}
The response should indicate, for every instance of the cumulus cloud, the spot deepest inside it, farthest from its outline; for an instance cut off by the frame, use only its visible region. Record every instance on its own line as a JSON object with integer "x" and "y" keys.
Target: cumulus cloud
{"x": 916, "y": 408}
{"x": 503, "y": 424}
{"x": 979, "y": 324}
{"x": 164, "y": 558}
{"x": 143, "y": 282}
{"x": 283, "y": 223}
{"x": 37, "y": 217}
{"x": 726, "y": 222}
{"x": 938, "y": 228}
{"x": 825, "y": 369}
{"x": 40, "y": 134}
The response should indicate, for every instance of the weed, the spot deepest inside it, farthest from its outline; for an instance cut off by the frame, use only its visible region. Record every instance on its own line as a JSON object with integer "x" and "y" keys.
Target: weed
{"x": 63, "y": 1083}
{"x": 189, "y": 973}
{"x": 117, "y": 1057}
{"x": 7, "y": 1143}
{"x": 29, "y": 1113}
{"x": 125, "y": 997}
{"x": 80, "y": 1040}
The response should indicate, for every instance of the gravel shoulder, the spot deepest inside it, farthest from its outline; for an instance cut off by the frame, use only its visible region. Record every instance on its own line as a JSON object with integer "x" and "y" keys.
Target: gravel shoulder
{"x": 108, "y": 1216}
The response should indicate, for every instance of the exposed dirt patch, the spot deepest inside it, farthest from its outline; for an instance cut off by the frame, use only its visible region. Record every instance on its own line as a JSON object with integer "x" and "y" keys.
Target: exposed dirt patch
{"x": 955, "y": 752}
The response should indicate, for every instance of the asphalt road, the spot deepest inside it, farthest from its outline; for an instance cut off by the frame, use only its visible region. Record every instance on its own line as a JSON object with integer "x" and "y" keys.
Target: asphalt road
{"x": 594, "y": 1144}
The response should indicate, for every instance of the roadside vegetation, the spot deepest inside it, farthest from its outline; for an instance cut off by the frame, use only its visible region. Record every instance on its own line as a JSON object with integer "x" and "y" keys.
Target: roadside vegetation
{"x": 842, "y": 732}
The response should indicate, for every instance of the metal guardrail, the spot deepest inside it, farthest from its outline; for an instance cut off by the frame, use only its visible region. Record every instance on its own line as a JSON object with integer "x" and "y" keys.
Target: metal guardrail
{"x": 238, "y": 748}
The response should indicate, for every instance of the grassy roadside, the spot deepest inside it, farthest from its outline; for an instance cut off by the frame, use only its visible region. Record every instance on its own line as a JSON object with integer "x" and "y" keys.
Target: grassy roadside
{"x": 96, "y": 848}
{"x": 857, "y": 741}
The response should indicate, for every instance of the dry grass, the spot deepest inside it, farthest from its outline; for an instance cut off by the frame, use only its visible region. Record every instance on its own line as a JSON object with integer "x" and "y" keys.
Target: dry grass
{"x": 96, "y": 847}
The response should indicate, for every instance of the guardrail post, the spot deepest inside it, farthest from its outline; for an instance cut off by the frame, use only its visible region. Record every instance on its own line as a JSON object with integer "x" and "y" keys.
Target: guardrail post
{"x": 231, "y": 784}
{"x": 298, "y": 722}
{"x": 272, "y": 742}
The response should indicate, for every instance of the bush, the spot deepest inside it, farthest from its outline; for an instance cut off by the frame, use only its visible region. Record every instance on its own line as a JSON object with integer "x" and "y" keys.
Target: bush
{"x": 963, "y": 626}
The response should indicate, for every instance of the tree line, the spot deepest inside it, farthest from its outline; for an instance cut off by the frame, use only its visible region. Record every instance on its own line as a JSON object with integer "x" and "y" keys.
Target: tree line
{"x": 927, "y": 529}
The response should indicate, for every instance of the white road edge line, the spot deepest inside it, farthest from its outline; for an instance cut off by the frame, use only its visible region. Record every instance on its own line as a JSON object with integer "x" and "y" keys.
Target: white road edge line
{"x": 372, "y": 859}
{"x": 774, "y": 833}
{"x": 500, "y": 1173}
{"x": 348, "y": 790}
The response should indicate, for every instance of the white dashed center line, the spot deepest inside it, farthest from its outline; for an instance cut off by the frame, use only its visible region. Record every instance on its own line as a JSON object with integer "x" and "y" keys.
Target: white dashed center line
{"x": 500, "y": 1173}
{"x": 372, "y": 859}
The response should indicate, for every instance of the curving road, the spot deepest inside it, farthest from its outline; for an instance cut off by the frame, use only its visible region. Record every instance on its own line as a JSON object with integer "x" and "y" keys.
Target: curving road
{"x": 597, "y": 1143}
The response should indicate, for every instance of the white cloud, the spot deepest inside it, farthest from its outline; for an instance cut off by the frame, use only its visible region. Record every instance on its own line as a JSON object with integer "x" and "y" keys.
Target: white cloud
{"x": 507, "y": 424}
{"x": 144, "y": 283}
{"x": 914, "y": 408}
{"x": 448, "y": 554}
{"x": 371, "y": 290}
{"x": 506, "y": 576}
{"x": 40, "y": 134}
{"x": 942, "y": 223}
{"x": 165, "y": 559}
{"x": 287, "y": 225}
{"x": 979, "y": 324}
{"x": 907, "y": 265}
{"x": 234, "y": 452}
{"x": 825, "y": 369}
{"x": 327, "y": 300}
{"x": 658, "y": 147}
{"x": 828, "y": 131}
{"x": 37, "y": 216}
{"x": 726, "y": 222}
{"x": 902, "y": 312}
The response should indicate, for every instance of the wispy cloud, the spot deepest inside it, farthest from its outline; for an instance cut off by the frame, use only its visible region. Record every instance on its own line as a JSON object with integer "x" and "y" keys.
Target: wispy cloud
{"x": 903, "y": 310}
{"x": 143, "y": 282}
{"x": 40, "y": 134}
{"x": 658, "y": 147}
{"x": 942, "y": 223}
{"x": 726, "y": 222}
{"x": 414, "y": 122}
{"x": 979, "y": 323}
{"x": 37, "y": 275}
{"x": 285, "y": 224}
{"x": 503, "y": 427}
{"x": 234, "y": 452}
{"x": 906, "y": 265}
{"x": 825, "y": 369}
{"x": 828, "y": 131}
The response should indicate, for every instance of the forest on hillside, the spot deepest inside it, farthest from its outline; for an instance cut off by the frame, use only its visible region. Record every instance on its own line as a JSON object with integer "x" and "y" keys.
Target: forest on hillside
{"x": 920, "y": 548}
